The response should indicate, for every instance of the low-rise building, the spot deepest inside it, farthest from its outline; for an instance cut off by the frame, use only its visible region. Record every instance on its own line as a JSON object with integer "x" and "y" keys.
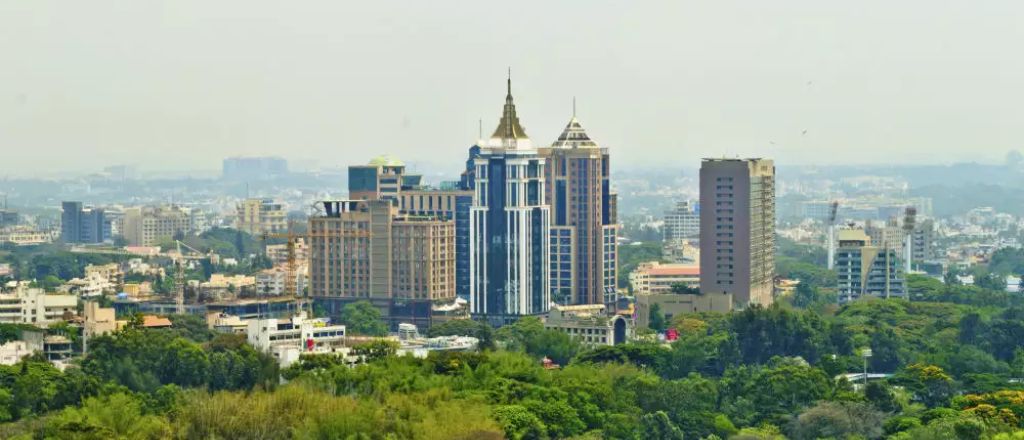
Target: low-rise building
{"x": 655, "y": 277}
{"x": 672, "y": 304}
{"x": 34, "y": 306}
{"x": 98, "y": 320}
{"x": 13, "y": 352}
{"x": 590, "y": 324}
{"x": 285, "y": 339}
{"x": 25, "y": 237}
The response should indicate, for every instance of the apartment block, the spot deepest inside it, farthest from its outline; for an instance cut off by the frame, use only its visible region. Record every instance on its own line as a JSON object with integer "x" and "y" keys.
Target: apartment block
{"x": 863, "y": 269}
{"x": 34, "y": 306}
{"x": 259, "y": 216}
{"x": 149, "y": 225}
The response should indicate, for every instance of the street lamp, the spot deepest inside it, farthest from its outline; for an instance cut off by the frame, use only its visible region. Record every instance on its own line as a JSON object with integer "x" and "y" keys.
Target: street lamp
{"x": 865, "y": 353}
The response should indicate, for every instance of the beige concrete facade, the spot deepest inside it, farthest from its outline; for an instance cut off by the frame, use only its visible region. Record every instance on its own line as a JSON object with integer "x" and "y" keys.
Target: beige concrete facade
{"x": 672, "y": 304}
{"x": 737, "y": 229}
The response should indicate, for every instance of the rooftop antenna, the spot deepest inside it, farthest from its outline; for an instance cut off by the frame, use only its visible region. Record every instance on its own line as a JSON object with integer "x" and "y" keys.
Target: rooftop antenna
{"x": 480, "y": 128}
{"x": 573, "y": 106}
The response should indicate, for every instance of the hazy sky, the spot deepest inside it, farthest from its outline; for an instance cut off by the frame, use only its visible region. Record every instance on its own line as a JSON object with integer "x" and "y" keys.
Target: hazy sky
{"x": 181, "y": 84}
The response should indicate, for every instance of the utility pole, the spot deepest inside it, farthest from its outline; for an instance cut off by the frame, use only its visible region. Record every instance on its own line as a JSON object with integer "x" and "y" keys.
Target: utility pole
{"x": 865, "y": 353}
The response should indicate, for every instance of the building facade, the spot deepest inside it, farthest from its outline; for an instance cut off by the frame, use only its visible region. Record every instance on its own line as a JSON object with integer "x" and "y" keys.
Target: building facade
{"x": 259, "y": 216}
{"x": 148, "y": 226}
{"x": 510, "y": 225}
{"x": 737, "y": 229}
{"x": 584, "y": 227}
{"x": 655, "y": 277}
{"x": 672, "y": 304}
{"x": 383, "y": 178}
{"x": 450, "y": 205}
{"x": 366, "y": 250}
{"x": 863, "y": 269}
{"x": 83, "y": 225}
{"x": 34, "y": 306}
{"x": 682, "y": 222}
{"x": 590, "y": 324}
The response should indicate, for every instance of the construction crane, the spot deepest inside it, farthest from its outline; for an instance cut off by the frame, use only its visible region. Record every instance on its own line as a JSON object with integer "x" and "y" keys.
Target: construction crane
{"x": 291, "y": 263}
{"x": 179, "y": 260}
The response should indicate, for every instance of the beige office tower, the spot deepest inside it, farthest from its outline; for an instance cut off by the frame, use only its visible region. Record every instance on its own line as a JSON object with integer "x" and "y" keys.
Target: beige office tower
{"x": 583, "y": 225}
{"x": 737, "y": 229}
{"x": 366, "y": 250}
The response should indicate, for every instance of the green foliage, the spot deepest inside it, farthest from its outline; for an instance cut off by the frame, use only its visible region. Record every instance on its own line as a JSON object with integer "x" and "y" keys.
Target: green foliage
{"x": 465, "y": 327}
{"x": 838, "y": 420}
{"x": 657, "y": 425}
{"x": 631, "y": 255}
{"x": 529, "y": 335}
{"x": 656, "y": 319}
{"x": 145, "y": 359}
{"x": 362, "y": 318}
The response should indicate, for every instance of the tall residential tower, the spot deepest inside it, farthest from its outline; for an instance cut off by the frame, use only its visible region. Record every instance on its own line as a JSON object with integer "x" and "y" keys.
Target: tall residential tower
{"x": 510, "y": 226}
{"x": 737, "y": 229}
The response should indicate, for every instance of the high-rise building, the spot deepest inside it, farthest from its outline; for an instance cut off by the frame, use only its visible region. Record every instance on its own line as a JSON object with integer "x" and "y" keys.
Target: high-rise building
{"x": 83, "y": 225}
{"x": 367, "y": 250}
{"x": 510, "y": 225}
{"x": 381, "y": 179}
{"x": 445, "y": 204}
{"x": 149, "y": 225}
{"x": 866, "y": 269}
{"x": 923, "y": 241}
{"x": 583, "y": 224}
{"x": 737, "y": 229}
{"x": 259, "y": 216}
{"x": 385, "y": 178}
{"x": 254, "y": 168}
{"x": 682, "y": 222}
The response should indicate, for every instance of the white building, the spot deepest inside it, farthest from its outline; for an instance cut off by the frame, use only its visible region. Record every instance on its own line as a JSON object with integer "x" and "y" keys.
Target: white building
{"x": 13, "y": 351}
{"x": 272, "y": 282}
{"x": 286, "y": 339}
{"x": 682, "y": 222}
{"x": 655, "y": 277}
{"x": 34, "y": 306}
{"x": 590, "y": 324}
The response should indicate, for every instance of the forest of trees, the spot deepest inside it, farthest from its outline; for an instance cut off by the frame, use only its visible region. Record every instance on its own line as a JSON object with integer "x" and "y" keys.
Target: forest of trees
{"x": 954, "y": 356}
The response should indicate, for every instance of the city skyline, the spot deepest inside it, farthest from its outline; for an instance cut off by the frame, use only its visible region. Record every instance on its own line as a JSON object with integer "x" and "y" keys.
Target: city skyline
{"x": 196, "y": 84}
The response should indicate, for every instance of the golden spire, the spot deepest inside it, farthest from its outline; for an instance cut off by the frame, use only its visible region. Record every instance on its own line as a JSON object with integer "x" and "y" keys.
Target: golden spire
{"x": 508, "y": 127}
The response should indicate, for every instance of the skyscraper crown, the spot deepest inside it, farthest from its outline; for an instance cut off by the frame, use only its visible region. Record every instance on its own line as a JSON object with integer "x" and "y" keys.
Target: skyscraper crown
{"x": 509, "y": 133}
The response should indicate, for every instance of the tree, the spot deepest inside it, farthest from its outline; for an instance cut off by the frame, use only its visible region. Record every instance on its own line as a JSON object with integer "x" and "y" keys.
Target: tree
{"x": 374, "y": 350}
{"x": 838, "y": 420}
{"x": 656, "y": 319}
{"x": 929, "y": 384}
{"x": 362, "y": 318}
{"x": 465, "y": 327}
{"x": 881, "y": 396}
{"x": 658, "y": 426}
{"x": 519, "y": 423}
{"x": 684, "y": 289}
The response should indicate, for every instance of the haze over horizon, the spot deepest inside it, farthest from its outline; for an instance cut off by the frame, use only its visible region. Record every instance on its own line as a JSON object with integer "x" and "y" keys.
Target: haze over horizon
{"x": 180, "y": 85}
